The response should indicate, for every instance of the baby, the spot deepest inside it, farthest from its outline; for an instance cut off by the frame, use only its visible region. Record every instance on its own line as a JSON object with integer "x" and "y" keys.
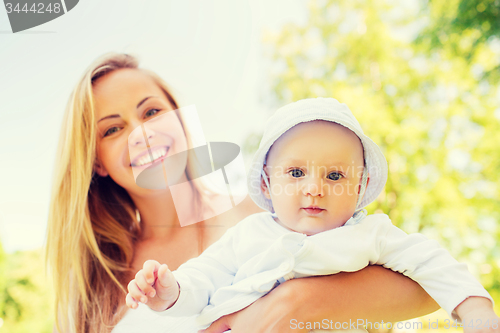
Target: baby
{"x": 314, "y": 172}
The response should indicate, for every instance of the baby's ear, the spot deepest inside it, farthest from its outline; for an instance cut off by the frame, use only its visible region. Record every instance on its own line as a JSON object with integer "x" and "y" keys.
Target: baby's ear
{"x": 367, "y": 182}
{"x": 99, "y": 169}
{"x": 263, "y": 185}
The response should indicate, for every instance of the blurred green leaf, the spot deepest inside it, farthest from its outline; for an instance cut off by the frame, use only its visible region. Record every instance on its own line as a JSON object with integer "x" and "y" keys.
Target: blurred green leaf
{"x": 25, "y": 297}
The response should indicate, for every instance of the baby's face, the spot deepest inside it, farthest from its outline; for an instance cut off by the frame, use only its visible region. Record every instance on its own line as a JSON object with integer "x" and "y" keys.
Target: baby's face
{"x": 315, "y": 171}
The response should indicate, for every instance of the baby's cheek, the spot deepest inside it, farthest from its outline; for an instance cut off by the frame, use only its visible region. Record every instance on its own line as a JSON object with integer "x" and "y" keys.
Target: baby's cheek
{"x": 339, "y": 190}
{"x": 352, "y": 189}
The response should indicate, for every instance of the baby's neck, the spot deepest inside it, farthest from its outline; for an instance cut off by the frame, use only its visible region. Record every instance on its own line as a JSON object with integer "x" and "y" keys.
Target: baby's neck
{"x": 277, "y": 220}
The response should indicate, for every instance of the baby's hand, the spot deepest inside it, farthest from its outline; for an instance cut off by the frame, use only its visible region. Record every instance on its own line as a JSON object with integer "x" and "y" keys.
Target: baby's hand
{"x": 481, "y": 322}
{"x": 477, "y": 316}
{"x": 154, "y": 285}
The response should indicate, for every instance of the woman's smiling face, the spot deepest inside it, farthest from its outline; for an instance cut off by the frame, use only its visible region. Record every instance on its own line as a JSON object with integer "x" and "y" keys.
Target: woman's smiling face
{"x": 125, "y": 100}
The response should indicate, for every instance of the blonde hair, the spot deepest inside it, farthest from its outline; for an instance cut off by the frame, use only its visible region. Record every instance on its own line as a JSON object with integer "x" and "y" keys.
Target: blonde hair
{"x": 93, "y": 226}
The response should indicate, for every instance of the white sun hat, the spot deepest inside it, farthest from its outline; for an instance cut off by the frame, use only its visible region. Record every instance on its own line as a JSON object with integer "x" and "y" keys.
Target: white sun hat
{"x": 305, "y": 110}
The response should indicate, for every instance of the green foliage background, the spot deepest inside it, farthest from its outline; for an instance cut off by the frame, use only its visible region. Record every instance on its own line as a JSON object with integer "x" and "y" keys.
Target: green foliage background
{"x": 25, "y": 293}
{"x": 424, "y": 84}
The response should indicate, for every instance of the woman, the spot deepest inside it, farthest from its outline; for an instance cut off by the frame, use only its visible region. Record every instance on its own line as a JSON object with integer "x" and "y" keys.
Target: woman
{"x": 103, "y": 226}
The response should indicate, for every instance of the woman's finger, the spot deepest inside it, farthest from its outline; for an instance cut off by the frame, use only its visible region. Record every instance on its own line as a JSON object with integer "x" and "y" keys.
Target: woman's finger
{"x": 149, "y": 268}
{"x": 219, "y": 326}
{"x": 136, "y": 293}
{"x": 131, "y": 302}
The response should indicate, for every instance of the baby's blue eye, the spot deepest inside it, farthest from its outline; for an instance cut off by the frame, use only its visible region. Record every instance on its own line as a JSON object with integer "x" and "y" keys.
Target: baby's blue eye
{"x": 334, "y": 176}
{"x": 151, "y": 112}
{"x": 296, "y": 173}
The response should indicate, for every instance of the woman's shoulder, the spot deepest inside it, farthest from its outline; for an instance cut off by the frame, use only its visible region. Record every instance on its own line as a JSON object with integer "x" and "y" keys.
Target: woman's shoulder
{"x": 218, "y": 225}
{"x": 245, "y": 208}
{"x": 231, "y": 217}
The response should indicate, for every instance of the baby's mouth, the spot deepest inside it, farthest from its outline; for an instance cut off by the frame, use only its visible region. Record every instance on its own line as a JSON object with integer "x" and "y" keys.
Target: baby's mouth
{"x": 313, "y": 210}
{"x": 150, "y": 156}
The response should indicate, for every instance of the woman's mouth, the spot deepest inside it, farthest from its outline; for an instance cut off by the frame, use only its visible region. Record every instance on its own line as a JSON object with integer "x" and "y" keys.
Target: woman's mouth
{"x": 151, "y": 156}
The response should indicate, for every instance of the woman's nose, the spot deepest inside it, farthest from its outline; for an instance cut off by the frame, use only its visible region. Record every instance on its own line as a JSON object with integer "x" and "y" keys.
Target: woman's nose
{"x": 141, "y": 135}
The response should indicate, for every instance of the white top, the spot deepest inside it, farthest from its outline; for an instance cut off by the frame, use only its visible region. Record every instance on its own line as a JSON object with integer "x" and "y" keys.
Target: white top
{"x": 145, "y": 320}
{"x": 257, "y": 254}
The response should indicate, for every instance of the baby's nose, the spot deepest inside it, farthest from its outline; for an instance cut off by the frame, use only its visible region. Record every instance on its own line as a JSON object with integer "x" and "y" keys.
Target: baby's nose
{"x": 314, "y": 187}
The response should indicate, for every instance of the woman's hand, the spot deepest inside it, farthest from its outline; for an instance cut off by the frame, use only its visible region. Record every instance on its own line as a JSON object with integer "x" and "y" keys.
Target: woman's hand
{"x": 268, "y": 314}
{"x": 371, "y": 294}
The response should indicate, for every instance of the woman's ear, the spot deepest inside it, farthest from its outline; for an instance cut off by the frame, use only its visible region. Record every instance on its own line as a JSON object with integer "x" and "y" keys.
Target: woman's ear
{"x": 99, "y": 169}
{"x": 263, "y": 185}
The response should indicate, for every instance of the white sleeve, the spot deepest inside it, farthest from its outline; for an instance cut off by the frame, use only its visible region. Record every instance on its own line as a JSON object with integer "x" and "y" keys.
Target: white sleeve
{"x": 200, "y": 277}
{"x": 446, "y": 280}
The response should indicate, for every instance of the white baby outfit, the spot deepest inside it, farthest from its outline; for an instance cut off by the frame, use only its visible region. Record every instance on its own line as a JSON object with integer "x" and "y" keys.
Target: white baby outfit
{"x": 257, "y": 254}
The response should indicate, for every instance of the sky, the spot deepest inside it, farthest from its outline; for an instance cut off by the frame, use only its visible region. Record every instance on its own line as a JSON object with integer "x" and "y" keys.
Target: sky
{"x": 209, "y": 51}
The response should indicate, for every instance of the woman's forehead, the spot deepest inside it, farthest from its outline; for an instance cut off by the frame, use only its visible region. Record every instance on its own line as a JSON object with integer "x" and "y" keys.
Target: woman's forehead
{"x": 124, "y": 82}
{"x": 124, "y": 88}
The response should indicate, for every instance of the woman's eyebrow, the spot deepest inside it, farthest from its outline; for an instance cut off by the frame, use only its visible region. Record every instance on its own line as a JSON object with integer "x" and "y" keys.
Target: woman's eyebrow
{"x": 144, "y": 100}
{"x": 110, "y": 116}
{"x": 118, "y": 116}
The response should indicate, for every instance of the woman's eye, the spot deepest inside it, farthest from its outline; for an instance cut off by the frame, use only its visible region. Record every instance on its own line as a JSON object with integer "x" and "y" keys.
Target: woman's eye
{"x": 151, "y": 112}
{"x": 296, "y": 173}
{"x": 111, "y": 131}
{"x": 334, "y": 176}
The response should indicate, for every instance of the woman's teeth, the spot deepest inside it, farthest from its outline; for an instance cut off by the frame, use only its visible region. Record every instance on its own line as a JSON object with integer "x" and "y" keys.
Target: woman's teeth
{"x": 157, "y": 153}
